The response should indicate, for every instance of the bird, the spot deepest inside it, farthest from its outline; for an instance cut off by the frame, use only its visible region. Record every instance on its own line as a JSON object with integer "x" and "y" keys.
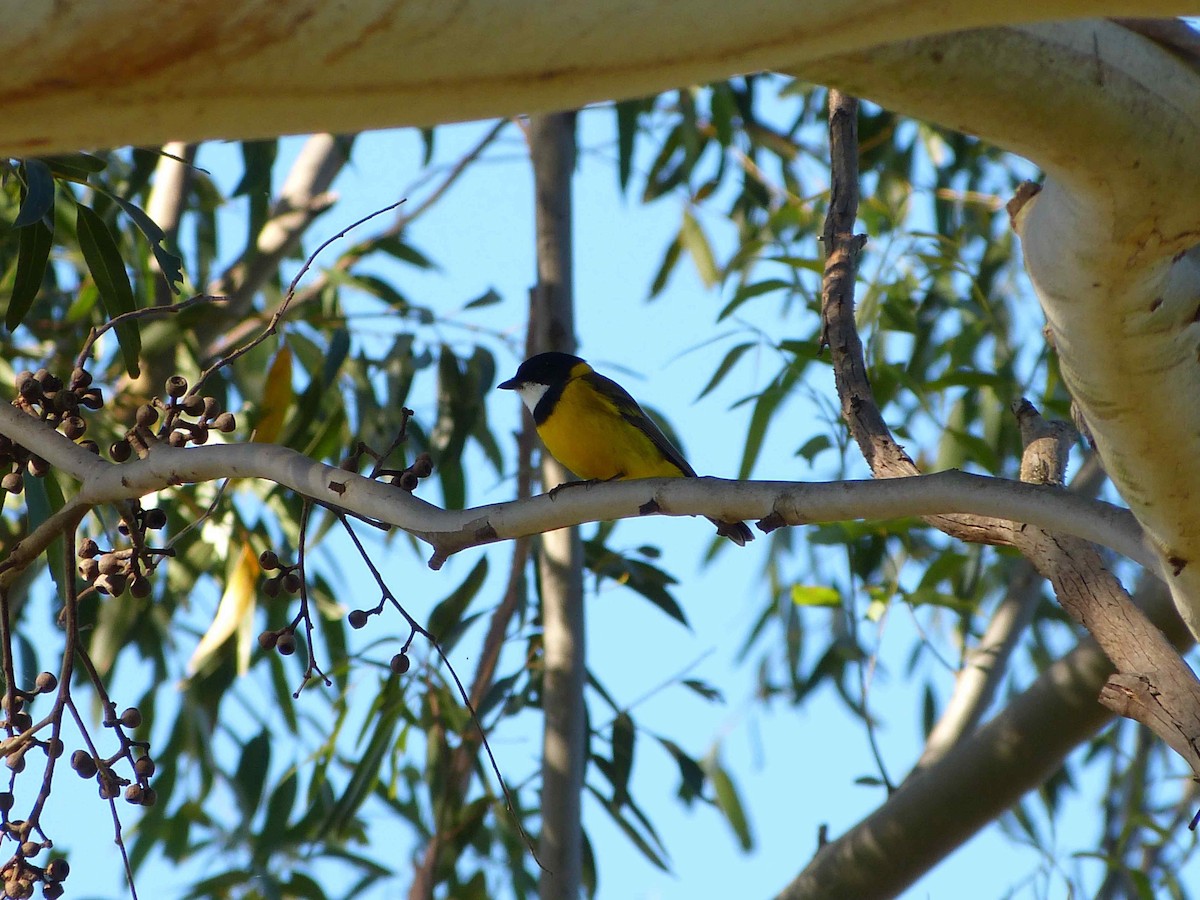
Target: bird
{"x": 591, "y": 425}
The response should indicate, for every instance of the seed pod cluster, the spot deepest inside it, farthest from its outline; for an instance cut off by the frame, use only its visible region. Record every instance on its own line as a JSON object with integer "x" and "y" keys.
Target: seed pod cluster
{"x": 45, "y": 396}
{"x": 283, "y": 640}
{"x": 422, "y": 467}
{"x": 286, "y": 577}
{"x": 109, "y": 783}
{"x": 183, "y": 418}
{"x": 114, "y": 571}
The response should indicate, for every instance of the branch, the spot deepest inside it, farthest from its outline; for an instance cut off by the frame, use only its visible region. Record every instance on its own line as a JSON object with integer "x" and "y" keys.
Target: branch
{"x": 304, "y": 196}
{"x": 224, "y": 69}
{"x": 774, "y": 503}
{"x": 1108, "y": 243}
{"x": 938, "y": 810}
{"x": 565, "y": 738}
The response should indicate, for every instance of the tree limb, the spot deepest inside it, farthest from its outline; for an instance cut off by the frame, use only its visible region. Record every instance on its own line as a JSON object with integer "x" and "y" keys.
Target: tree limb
{"x": 103, "y": 75}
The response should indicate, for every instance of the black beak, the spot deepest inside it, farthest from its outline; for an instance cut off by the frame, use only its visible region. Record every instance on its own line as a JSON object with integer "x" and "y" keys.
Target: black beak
{"x": 511, "y": 385}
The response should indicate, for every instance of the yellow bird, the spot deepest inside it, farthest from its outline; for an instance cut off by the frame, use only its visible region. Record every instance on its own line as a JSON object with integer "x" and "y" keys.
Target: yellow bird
{"x": 592, "y": 426}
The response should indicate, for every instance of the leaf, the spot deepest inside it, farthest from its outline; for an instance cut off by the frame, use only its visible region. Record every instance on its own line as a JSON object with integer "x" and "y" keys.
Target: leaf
{"x": 727, "y": 363}
{"x": 43, "y": 498}
{"x": 648, "y": 580}
{"x": 630, "y": 832}
{"x": 39, "y": 193}
{"x": 366, "y": 769}
{"x": 447, "y": 614}
{"x": 112, "y": 281}
{"x": 75, "y": 166}
{"x": 764, "y": 412}
{"x": 724, "y": 108}
{"x": 624, "y": 736}
{"x": 236, "y": 608}
{"x": 728, "y": 801}
{"x": 627, "y": 123}
{"x": 394, "y": 246}
{"x": 277, "y": 397}
{"x": 33, "y": 254}
{"x": 704, "y": 689}
{"x": 279, "y": 810}
{"x": 251, "y": 772}
{"x": 750, "y": 291}
{"x": 170, "y": 264}
{"x": 670, "y": 258}
{"x": 815, "y": 595}
{"x": 695, "y": 241}
{"x": 488, "y": 298}
{"x": 814, "y": 446}
{"x": 691, "y": 775}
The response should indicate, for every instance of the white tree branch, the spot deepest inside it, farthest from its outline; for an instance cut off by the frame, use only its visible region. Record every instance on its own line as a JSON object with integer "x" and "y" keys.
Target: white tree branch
{"x": 1109, "y": 240}
{"x": 449, "y": 531}
{"x": 101, "y": 73}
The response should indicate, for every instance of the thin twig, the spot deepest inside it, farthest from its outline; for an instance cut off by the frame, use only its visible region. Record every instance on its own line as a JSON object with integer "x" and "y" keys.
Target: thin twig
{"x": 148, "y": 312}
{"x": 283, "y": 307}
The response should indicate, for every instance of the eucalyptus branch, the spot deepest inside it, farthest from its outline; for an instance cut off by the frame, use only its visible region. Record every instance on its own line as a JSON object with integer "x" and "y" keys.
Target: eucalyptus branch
{"x": 773, "y": 503}
{"x": 149, "y": 312}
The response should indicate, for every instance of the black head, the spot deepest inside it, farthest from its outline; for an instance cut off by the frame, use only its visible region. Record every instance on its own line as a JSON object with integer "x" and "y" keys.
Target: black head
{"x": 544, "y": 369}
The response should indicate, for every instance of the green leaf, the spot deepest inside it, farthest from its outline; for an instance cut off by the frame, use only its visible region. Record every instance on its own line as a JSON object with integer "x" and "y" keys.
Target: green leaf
{"x": 754, "y": 289}
{"x": 764, "y": 412}
{"x": 75, "y": 166}
{"x": 33, "y": 254}
{"x": 670, "y": 258}
{"x": 624, "y": 736}
{"x": 251, "y": 772}
{"x": 447, "y": 614}
{"x": 704, "y": 689}
{"x": 695, "y": 241}
{"x": 815, "y": 595}
{"x": 727, "y": 363}
{"x": 43, "y": 498}
{"x": 39, "y": 193}
{"x": 814, "y": 446}
{"x": 395, "y": 247}
{"x": 488, "y": 298}
{"x": 112, "y": 281}
{"x": 366, "y": 770}
{"x": 691, "y": 775}
{"x": 642, "y": 577}
{"x": 169, "y": 263}
{"x": 728, "y": 801}
{"x": 630, "y": 831}
{"x": 724, "y": 109}
{"x": 279, "y": 810}
{"x": 627, "y": 123}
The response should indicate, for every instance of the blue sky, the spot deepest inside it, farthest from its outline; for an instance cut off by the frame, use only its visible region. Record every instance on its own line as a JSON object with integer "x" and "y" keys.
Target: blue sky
{"x": 796, "y": 767}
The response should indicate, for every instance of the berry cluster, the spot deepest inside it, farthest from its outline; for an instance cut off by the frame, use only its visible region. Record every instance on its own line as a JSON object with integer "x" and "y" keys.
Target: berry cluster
{"x": 45, "y": 397}
{"x": 177, "y": 427}
{"x": 422, "y": 467}
{"x": 137, "y": 790}
{"x": 113, "y": 571}
{"x": 19, "y": 875}
{"x": 286, "y": 578}
{"x": 18, "y": 721}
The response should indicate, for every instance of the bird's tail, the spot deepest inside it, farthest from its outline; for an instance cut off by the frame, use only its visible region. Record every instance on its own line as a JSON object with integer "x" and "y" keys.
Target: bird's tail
{"x": 738, "y": 532}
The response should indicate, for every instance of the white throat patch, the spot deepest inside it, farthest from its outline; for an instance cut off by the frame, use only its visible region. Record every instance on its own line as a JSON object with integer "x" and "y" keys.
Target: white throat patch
{"x": 531, "y": 392}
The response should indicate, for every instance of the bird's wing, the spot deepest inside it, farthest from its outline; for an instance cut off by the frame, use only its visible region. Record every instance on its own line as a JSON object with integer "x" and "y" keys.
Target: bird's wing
{"x": 632, "y": 413}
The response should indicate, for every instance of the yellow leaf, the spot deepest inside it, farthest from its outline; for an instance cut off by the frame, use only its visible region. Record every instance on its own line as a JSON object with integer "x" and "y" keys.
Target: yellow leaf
{"x": 235, "y": 612}
{"x": 694, "y": 240}
{"x": 277, "y": 398}
{"x": 815, "y": 595}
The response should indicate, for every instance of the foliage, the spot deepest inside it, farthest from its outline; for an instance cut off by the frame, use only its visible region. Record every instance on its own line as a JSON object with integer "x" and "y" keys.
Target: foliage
{"x": 275, "y": 792}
